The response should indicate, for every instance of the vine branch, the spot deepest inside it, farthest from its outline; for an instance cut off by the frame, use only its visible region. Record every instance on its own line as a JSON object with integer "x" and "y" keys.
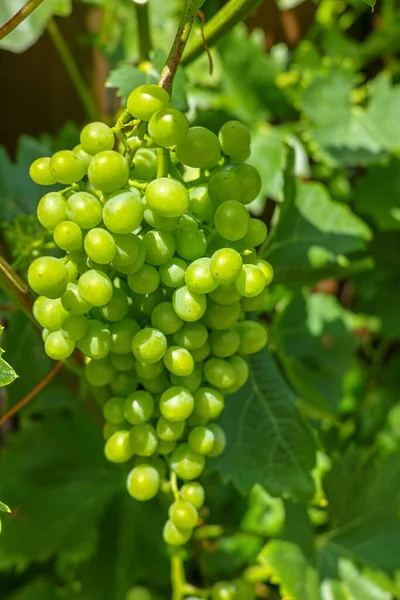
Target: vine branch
{"x": 143, "y": 30}
{"x": 182, "y": 35}
{"x": 20, "y": 16}
{"x": 16, "y": 288}
{"x": 232, "y": 13}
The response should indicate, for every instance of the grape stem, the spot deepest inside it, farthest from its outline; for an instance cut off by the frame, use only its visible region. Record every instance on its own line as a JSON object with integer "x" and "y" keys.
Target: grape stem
{"x": 182, "y": 35}
{"x": 20, "y": 16}
{"x": 72, "y": 69}
{"x": 232, "y": 13}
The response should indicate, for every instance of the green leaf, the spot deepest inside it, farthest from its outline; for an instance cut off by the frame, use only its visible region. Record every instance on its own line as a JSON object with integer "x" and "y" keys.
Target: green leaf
{"x": 30, "y": 30}
{"x": 315, "y": 347}
{"x": 37, "y": 588}
{"x": 313, "y": 232}
{"x": 4, "y": 508}
{"x": 267, "y": 440}
{"x": 287, "y": 565}
{"x": 7, "y": 376}
{"x": 54, "y": 475}
{"x": 370, "y": 3}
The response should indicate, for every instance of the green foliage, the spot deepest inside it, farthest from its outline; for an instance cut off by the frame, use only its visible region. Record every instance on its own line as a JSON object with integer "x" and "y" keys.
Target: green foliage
{"x": 7, "y": 373}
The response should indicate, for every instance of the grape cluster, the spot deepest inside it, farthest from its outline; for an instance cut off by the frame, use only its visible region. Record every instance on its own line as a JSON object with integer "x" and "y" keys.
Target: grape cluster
{"x": 157, "y": 276}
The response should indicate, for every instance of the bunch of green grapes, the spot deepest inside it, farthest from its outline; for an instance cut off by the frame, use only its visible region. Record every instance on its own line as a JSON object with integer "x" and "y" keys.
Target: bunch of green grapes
{"x": 158, "y": 274}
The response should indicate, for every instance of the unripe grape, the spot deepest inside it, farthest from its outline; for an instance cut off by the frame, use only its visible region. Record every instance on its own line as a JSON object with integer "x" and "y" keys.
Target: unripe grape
{"x": 100, "y": 372}
{"x": 51, "y": 210}
{"x": 40, "y": 172}
{"x": 253, "y": 337}
{"x": 250, "y": 281}
{"x": 144, "y": 164}
{"x": 149, "y": 345}
{"x": 201, "y": 205}
{"x": 235, "y": 140}
{"x": 68, "y": 236}
{"x": 138, "y": 407}
{"x": 144, "y": 439}
{"x": 193, "y": 493}
{"x": 175, "y": 536}
{"x": 49, "y": 312}
{"x": 74, "y": 327}
{"x": 201, "y": 439}
{"x": 223, "y": 590}
{"x": 84, "y": 209}
{"x": 219, "y": 440}
{"x": 159, "y": 246}
{"x": 168, "y": 127}
{"x": 57, "y": 346}
{"x": 97, "y": 137}
{"x": 200, "y": 148}
{"x": 165, "y": 318}
{"x": 108, "y": 171}
{"x": 198, "y": 276}
{"x": 169, "y": 431}
{"x": 183, "y": 514}
{"x": 66, "y": 167}
{"x": 251, "y": 182}
{"x": 145, "y": 281}
{"x": 225, "y": 265}
{"x": 113, "y": 409}
{"x": 176, "y": 404}
{"x": 95, "y": 287}
{"x": 122, "y": 362}
{"x": 47, "y": 276}
{"x": 167, "y": 197}
{"x": 172, "y": 273}
{"x": 225, "y": 185}
{"x": 123, "y": 211}
{"x": 118, "y": 448}
{"x": 73, "y": 302}
{"x": 96, "y": 343}
{"x": 147, "y": 99}
{"x": 191, "y": 244}
{"x": 179, "y": 361}
{"x": 143, "y": 482}
{"x": 100, "y": 246}
{"x": 231, "y": 220}
{"x": 267, "y": 269}
{"x": 188, "y": 305}
{"x": 191, "y": 335}
{"x": 186, "y": 463}
{"x": 256, "y": 233}
{"x": 208, "y": 403}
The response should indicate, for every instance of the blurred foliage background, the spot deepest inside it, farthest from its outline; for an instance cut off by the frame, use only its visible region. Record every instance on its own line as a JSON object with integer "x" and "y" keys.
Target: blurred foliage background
{"x": 306, "y": 497}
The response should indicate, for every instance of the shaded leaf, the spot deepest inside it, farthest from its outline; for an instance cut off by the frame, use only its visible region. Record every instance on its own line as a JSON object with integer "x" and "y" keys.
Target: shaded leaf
{"x": 268, "y": 442}
{"x": 7, "y": 376}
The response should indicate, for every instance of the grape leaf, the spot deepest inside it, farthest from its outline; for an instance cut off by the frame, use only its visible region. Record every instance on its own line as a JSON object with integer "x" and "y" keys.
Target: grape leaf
{"x": 315, "y": 347}
{"x": 7, "y": 374}
{"x": 313, "y": 232}
{"x": 267, "y": 440}
{"x": 370, "y": 3}
{"x": 54, "y": 475}
{"x": 30, "y": 30}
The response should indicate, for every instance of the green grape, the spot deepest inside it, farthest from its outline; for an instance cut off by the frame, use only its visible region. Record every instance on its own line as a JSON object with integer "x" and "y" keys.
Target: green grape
{"x": 235, "y": 140}
{"x": 95, "y": 287}
{"x": 267, "y": 269}
{"x": 159, "y": 246}
{"x": 68, "y": 236}
{"x": 193, "y": 493}
{"x": 122, "y": 362}
{"x": 51, "y": 210}
{"x": 117, "y": 308}
{"x": 144, "y": 439}
{"x": 149, "y": 345}
{"x": 167, "y": 197}
{"x": 188, "y": 305}
{"x": 219, "y": 373}
{"x": 198, "y": 276}
{"x": 251, "y": 182}
{"x": 49, "y": 312}
{"x": 118, "y": 448}
{"x": 186, "y": 463}
{"x": 40, "y": 172}
{"x": 138, "y": 407}
{"x": 96, "y": 343}
{"x": 144, "y": 164}
{"x": 149, "y": 370}
{"x": 226, "y": 265}
{"x": 168, "y": 127}
{"x": 176, "y": 404}
{"x": 127, "y": 249}
{"x": 143, "y": 482}
{"x": 57, "y": 346}
{"x": 231, "y": 220}
{"x": 187, "y": 222}
{"x": 169, "y": 431}
{"x": 138, "y": 262}
{"x": 66, "y": 167}
{"x": 254, "y": 303}
{"x": 183, "y": 514}
{"x": 165, "y": 447}
{"x": 201, "y": 205}
{"x": 158, "y": 463}
{"x": 47, "y": 276}
{"x": 224, "y": 343}
{"x": 138, "y": 592}
{"x": 158, "y": 222}
{"x": 109, "y": 429}
{"x": 249, "y": 255}
{"x": 200, "y": 148}
{"x": 157, "y": 385}
{"x": 253, "y": 337}
{"x": 125, "y": 383}
{"x": 251, "y": 281}
{"x": 100, "y": 246}
{"x": 123, "y": 211}
{"x": 175, "y": 536}
{"x": 108, "y": 171}
{"x": 221, "y": 317}
{"x": 165, "y": 318}
{"x": 191, "y": 244}
{"x": 223, "y": 590}
{"x": 208, "y": 403}
{"x": 100, "y": 372}
{"x": 145, "y": 304}
{"x": 179, "y": 361}
{"x": 191, "y": 336}
{"x": 147, "y": 99}
{"x": 144, "y": 281}
{"x": 113, "y": 410}
{"x": 225, "y": 185}
{"x": 244, "y": 590}
{"x": 97, "y": 137}
{"x": 74, "y": 327}
{"x": 73, "y": 302}
{"x": 225, "y": 294}
{"x": 256, "y": 233}
{"x": 122, "y": 333}
{"x": 84, "y": 210}
{"x": 200, "y": 354}
{"x": 191, "y": 382}
{"x": 72, "y": 266}
{"x": 219, "y": 440}
{"x": 201, "y": 439}
{"x": 83, "y": 155}
{"x": 172, "y": 273}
